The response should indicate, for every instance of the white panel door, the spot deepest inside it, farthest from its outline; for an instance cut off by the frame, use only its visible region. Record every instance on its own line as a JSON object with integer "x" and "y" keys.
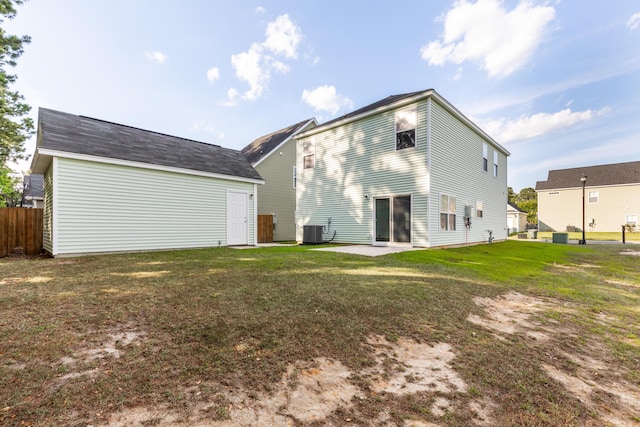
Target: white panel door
{"x": 237, "y": 218}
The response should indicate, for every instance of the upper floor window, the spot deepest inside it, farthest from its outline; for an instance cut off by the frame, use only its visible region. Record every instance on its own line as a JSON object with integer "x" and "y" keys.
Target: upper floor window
{"x": 406, "y": 121}
{"x": 447, "y": 212}
{"x": 295, "y": 176}
{"x": 309, "y": 154}
{"x": 593, "y": 196}
{"x": 495, "y": 163}
{"x": 485, "y": 157}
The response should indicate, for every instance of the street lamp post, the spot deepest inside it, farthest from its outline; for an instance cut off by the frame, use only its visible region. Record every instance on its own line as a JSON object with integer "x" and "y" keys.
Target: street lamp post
{"x": 583, "y": 179}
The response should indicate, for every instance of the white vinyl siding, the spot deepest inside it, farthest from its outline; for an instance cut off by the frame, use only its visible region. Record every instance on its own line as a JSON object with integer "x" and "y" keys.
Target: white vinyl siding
{"x": 106, "y": 208}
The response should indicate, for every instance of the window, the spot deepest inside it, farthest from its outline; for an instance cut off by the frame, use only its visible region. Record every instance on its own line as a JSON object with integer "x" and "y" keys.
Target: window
{"x": 406, "y": 128}
{"x": 593, "y": 196}
{"x": 447, "y": 212}
{"x": 495, "y": 163}
{"x": 485, "y": 157}
{"x": 631, "y": 221}
{"x": 295, "y": 176}
{"x": 479, "y": 211}
{"x": 309, "y": 154}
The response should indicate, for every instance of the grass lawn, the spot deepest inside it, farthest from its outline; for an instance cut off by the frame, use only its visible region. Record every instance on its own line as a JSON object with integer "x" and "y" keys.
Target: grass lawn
{"x": 513, "y": 333}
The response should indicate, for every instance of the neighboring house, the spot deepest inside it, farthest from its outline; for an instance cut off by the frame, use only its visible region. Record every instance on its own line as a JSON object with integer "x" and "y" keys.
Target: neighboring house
{"x": 274, "y": 157}
{"x": 407, "y": 170}
{"x": 111, "y": 188}
{"x": 612, "y": 198}
{"x": 33, "y": 191}
{"x": 516, "y": 219}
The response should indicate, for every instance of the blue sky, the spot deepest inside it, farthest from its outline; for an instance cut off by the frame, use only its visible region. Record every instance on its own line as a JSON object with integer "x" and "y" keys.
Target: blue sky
{"x": 555, "y": 82}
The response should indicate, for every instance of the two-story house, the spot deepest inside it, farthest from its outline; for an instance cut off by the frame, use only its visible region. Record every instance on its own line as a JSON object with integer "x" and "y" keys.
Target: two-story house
{"x": 611, "y": 198}
{"x": 410, "y": 169}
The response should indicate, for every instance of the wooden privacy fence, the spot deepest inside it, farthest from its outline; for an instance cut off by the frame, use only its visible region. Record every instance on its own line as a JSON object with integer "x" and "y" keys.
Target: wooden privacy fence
{"x": 265, "y": 228}
{"x": 20, "y": 227}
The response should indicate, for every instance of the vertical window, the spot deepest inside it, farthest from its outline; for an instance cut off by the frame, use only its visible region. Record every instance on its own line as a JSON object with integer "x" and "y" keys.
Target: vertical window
{"x": 406, "y": 128}
{"x": 485, "y": 157}
{"x": 295, "y": 176}
{"x": 495, "y": 163}
{"x": 479, "y": 211}
{"x": 309, "y": 154}
{"x": 447, "y": 212}
{"x": 593, "y": 196}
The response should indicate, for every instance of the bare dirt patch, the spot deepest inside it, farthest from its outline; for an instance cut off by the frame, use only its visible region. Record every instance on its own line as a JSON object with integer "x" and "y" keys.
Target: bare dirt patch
{"x": 312, "y": 391}
{"x": 590, "y": 378}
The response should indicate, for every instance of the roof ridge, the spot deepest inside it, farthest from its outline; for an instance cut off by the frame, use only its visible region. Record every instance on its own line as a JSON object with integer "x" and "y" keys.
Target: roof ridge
{"x": 145, "y": 130}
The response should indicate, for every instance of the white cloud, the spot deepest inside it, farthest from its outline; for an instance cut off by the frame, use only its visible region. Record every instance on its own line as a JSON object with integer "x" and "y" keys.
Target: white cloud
{"x": 283, "y": 37}
{"x": 325, "y": 98}
{"x": 634, "y": 21}
{"x": 525, "y": 127}
{"x": 232, "y": 98}
{"x": 213, "y": 74}
{"x": 502, "y": 41}
{"x": 255, "y": 66}
{"x": 156, "y": 56}
{"x": 259, "y": 10}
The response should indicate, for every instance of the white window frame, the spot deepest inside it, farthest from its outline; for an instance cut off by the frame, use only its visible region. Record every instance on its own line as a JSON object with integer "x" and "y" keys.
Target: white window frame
{"x": 631, "y": 219}
{"x": 479, "y": 210}
{"x": 295, "y": 176}
{"x": 495, "y": 163}
{"x": 485, "y": 157}
{"x": 406, "y": 121}
{"x": 449, "y": 210}
{"x": 596, "y": 196}
{"x": 308, "y": 154}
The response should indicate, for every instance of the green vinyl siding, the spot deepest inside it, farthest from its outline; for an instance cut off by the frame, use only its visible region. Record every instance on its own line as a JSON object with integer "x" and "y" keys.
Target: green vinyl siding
{"x": 277, "y": 196}
{"x": 47, "y": 223}
{"x": 358, "y": 162}
{"x": 103, "y": 208}
{"x": 456, "y": 161}
{"x": 358, "y": 159}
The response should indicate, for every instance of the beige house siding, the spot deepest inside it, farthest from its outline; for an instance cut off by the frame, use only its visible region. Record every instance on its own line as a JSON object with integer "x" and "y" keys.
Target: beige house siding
{"x": 277, "y": 196}
{"x": 560, "y": 208}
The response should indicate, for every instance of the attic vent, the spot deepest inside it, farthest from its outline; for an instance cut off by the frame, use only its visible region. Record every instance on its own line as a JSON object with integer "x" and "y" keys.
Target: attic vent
{"x": 312, "y": 234}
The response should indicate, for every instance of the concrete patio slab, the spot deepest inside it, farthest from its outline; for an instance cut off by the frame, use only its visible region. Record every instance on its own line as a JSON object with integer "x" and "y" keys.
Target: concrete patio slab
{"x": 366, "y": 250}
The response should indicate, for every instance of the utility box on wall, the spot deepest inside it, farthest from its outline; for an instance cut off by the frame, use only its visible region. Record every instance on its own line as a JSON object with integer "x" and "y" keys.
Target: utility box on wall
{"x": 312, "y": 234}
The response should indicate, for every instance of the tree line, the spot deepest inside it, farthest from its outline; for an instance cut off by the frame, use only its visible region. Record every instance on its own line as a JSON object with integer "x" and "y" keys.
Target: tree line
{"x": 15, "y": 124}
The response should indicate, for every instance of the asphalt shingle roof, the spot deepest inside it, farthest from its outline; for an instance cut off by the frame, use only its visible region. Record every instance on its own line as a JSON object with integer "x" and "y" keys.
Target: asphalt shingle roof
{"x": 601, "y": 175}
{"x": 84, "y": 135}
{"x": 262, "y": 146}
{"x": 378, "y": 104}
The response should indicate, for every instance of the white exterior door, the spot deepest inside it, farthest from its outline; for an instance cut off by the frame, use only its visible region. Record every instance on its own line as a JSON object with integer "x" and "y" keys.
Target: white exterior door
{"x": 237, "y": 218}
